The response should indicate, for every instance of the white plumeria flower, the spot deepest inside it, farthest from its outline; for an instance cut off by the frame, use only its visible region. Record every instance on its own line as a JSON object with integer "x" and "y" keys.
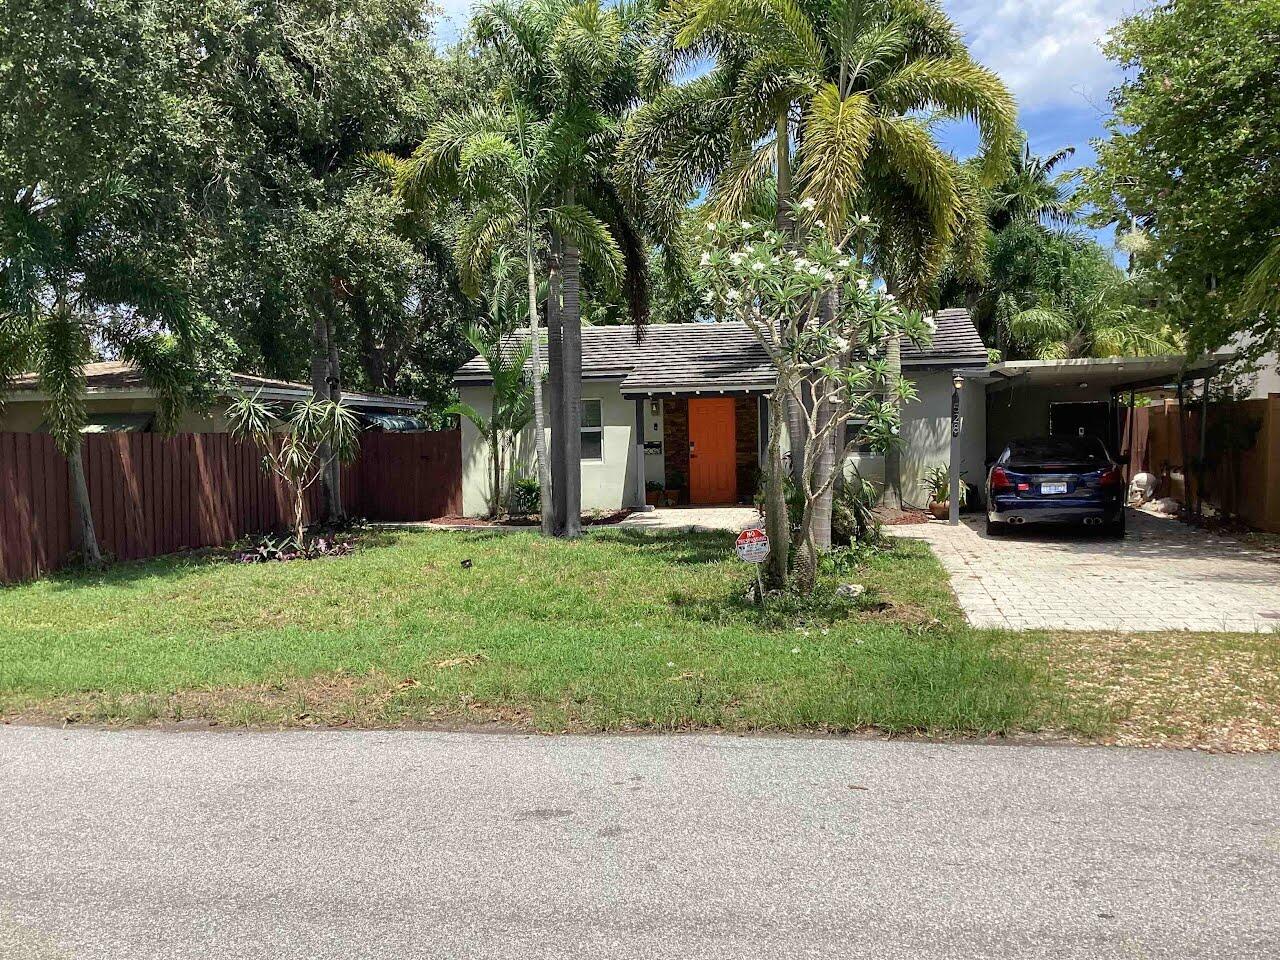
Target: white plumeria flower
{"x": 808, "y": 203}
{"x": 829, "y": 276}
{"x": 862, "y": 284}
{"x": 757, "y": 266}
{"x": 819, "y": 222}
{"x": 706, "y": 258}
{"x": 890, "y": 297}
{"x": 864, "y": 219}
{"x": 931, "y": 324}
{"x": 845, "y": 263}
{"x": 711, "y": 227}
{"x": 776, "y": 260}
{"x": 813, "y": 270}
{"x": 871, "y": 350}
{"x": 732, "y": 295}
{"x": 744, "y": 224}
{"x": 842, "y": 343}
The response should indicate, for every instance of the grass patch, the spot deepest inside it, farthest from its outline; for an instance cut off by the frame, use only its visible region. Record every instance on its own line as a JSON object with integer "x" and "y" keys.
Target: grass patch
{"x": 616, "y": 631}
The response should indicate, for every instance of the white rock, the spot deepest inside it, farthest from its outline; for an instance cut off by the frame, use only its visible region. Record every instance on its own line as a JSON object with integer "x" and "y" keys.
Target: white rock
{"x": 850, "y": 591}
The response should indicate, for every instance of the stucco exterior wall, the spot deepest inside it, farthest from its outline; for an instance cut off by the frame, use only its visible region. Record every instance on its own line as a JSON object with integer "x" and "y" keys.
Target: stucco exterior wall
{"x": 607, "y": 483}
{"x": 926, "y": 431}
{"x": 25, "y": 416}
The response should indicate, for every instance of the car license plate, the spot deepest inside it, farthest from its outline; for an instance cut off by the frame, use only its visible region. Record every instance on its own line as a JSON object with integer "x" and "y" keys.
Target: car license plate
{"x": 1053, "y": 488}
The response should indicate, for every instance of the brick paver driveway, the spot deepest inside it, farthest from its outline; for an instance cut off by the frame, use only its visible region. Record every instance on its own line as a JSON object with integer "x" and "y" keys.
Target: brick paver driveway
{"x": 1164, "y": 575}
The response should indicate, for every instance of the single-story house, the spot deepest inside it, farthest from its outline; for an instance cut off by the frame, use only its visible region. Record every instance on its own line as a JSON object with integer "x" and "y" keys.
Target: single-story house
{"x": 684, "y": 405}
{"x": 118, "y": 399}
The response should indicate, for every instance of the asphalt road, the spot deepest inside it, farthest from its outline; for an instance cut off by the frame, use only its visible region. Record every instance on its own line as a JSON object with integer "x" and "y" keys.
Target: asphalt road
{"x": 404, "y": 845}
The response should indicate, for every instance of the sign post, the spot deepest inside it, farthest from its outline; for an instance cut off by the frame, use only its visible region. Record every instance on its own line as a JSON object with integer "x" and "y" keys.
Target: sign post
{"x": 752, "y": 546}
{"x": 953, "y": 514}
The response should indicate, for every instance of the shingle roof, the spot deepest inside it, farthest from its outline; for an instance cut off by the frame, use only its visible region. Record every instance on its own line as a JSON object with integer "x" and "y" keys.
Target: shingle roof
{"x": 117, "y": 375}
{"x": 955, "y": 343}
{"x": 686, "y": 357}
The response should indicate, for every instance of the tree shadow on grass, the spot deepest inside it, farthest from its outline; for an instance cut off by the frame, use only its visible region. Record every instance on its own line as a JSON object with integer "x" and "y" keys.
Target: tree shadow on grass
{"x": 176, "y": 566}
{"x": 676, "y": 547}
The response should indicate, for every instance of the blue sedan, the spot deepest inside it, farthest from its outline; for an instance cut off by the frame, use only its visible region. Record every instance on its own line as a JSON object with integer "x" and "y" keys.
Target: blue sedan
{"x": 1056, "y": 480}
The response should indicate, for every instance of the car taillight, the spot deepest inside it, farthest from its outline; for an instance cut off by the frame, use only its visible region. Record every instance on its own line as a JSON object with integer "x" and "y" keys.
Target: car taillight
{"x": 1111, "y": 477}
{"x": 1000, "y": 480}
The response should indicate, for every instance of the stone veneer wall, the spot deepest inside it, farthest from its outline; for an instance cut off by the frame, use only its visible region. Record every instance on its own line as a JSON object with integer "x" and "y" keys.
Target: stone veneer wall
{"x": 675, "y": 441}
{"x": 747, "y": 435}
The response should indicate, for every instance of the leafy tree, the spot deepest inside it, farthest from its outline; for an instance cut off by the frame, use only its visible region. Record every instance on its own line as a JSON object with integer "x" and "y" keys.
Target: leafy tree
{"x": 1189, "y": 161}
{"x": 830, "y": 361}
{"x": 107, "y": 165}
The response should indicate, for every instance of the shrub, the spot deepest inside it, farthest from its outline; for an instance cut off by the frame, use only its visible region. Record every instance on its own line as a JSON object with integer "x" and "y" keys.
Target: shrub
{"x": 526, "y": 496}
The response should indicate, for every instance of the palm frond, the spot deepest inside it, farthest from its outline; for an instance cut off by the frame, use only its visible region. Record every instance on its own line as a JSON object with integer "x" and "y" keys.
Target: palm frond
{"x": 600, "y": 251}
{"x": 837, "y": 139}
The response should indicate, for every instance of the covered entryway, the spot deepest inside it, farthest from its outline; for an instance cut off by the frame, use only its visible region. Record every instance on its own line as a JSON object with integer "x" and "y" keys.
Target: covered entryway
{"x": 712, "y": 447}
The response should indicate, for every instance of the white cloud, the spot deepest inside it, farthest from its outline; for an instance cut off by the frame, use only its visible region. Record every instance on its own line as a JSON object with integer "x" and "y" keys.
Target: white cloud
{"x": 1047, "y": 51}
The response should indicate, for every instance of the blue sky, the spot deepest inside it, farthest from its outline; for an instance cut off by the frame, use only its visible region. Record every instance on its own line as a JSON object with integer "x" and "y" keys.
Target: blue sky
{"x": 1047, "y": 51}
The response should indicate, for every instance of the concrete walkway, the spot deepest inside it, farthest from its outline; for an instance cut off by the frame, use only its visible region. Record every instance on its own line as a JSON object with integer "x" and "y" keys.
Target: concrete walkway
{"x": 408, "y": 846}
{"x": 1164, "y": 575}
{"x": 694, "y": 519}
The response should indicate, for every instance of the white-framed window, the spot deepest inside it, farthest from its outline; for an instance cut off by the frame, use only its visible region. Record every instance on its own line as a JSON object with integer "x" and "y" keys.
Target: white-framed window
{"x": 861, "y": 448}
{"x": 592, "y": 430}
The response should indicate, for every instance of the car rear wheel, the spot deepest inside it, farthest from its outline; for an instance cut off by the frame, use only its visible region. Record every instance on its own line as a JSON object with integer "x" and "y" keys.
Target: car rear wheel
{"x": 1115, "y": 529}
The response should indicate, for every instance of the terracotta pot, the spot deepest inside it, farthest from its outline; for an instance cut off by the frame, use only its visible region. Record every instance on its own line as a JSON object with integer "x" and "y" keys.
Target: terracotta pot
{"x": 674, "y": 496}
{"x": 654, "y": 497}
{"x": 940, "y": 510}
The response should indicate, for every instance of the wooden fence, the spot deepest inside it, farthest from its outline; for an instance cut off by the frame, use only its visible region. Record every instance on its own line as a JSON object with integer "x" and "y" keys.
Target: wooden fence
{"x": 1242, "y": 455}
{"x": 153, "y": 495}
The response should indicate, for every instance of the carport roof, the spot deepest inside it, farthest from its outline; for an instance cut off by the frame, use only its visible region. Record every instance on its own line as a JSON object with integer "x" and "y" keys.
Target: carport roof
{"x": 1115, "y": 373}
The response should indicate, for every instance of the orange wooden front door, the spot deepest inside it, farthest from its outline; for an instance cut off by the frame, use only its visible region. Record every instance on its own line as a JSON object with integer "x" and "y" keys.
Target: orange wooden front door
{"x": 713, "y": 475}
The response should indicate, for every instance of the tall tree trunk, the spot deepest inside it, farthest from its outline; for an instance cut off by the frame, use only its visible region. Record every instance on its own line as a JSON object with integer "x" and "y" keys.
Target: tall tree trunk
{"x": 539, "y": 413}
{"x": 335, "y": 395}
{"x": 776, "y": 522}
{"x": 786, "y": 225}
{"x": 555, "y": 384}
{"x": 319, "y": 392}
{"x": 84, "y": 509}
{"x": 571, "y": 342}
{"x": 495, "y": 462}
{"x": 827, "y": 460}
{"x": 892, "y": 497}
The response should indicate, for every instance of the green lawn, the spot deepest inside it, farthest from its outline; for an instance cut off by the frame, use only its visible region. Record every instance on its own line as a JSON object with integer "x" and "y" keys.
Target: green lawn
{"x": 617, "y": 631}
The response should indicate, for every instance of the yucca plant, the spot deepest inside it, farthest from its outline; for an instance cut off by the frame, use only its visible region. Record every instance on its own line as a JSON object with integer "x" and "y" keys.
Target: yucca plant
{"x": 297, "y": 447}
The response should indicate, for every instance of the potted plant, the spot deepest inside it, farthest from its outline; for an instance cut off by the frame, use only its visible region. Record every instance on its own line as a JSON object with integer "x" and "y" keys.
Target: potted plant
{"x": 674, "y": 490}
{"x": 938, "y": 480}
{"x": 653, "y": 491}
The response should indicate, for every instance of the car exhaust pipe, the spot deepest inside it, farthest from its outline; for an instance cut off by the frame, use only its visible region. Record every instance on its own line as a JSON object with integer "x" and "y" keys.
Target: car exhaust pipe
{"x": 1093, "y": 521}
{"x": 1016, "y": 520}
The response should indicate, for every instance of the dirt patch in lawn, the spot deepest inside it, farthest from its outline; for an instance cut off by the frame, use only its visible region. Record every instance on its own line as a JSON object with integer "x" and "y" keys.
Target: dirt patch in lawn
{"x": 1217, "y": 692}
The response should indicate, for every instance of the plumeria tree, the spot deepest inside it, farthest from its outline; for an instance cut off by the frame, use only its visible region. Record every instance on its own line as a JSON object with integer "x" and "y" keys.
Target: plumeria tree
{"x": 825, "y": 327}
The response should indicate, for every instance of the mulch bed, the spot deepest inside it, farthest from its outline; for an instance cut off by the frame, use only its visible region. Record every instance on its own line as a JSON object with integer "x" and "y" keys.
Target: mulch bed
{"x": 895, "y": 518}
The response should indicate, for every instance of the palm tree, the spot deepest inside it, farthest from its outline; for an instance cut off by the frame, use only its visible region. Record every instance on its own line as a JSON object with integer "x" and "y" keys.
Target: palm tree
{"x": 72, "y": 283}
{"x": 511, "y": 408}
{"x": 504, "y": 165}
{"x": 826, "y": 99}
{"x": 575, "y": 65}
{"x": 1032, "y": 192}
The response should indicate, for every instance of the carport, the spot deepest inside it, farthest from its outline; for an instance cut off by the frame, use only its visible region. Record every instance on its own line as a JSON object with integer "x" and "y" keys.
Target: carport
{"x": 1033, "y": 398}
